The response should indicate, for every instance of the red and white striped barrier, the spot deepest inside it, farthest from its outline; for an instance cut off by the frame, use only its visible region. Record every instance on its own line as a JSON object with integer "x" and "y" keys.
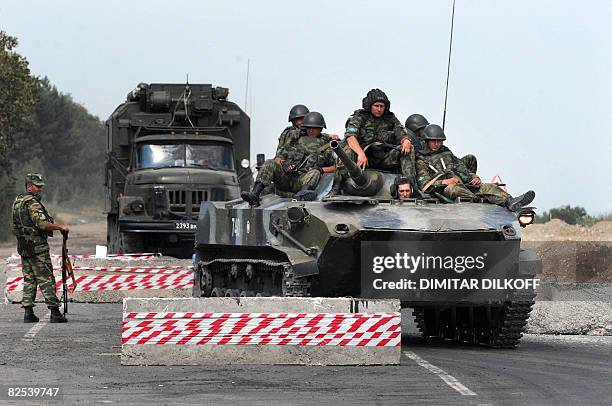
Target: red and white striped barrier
{"x": 298, "y": 329}
{"x": 153, "y": 270}
{"x": 182, "y": 279}
{"x": 260, "y": 330}
{"x": 120, "y": 257}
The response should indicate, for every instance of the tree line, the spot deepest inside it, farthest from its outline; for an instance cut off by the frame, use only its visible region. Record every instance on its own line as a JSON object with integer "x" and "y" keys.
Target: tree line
{"x": 43, "y": 130}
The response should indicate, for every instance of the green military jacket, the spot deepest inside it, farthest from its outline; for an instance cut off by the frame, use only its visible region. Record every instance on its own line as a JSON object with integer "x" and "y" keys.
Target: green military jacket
{"x": 307, "y": 152}
{"x": 291, "y": 134}
{"x": 430, "y": 164}
{"x": 30, "y": 221}
{"x": 368, "y": 129}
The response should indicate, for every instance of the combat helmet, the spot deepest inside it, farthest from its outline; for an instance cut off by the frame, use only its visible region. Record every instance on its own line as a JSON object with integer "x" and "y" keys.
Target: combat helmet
{"x": 314, "y": 119}
{"x": 433, "y": 132}
{"x": 415, "y": 122}
{"x": 298, "y": 111}
{"x": 373, "y": 96}
{"x": 35, "y": 178}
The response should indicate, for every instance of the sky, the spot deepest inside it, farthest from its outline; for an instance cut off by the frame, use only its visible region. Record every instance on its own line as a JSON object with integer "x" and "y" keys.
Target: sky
{"x": 528, "y": 86}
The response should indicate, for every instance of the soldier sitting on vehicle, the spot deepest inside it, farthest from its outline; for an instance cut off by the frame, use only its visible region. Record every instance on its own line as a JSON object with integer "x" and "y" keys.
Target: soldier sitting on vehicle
{"x": 375, "y": 138}
{"x": 291, "y": 133}
{"x": 416, "y": 123}
{"x": 301, "y": 165}
{"x": 438, "y": 168}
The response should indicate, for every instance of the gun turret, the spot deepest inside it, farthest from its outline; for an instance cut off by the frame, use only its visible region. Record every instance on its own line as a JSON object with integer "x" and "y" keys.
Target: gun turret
{"x": 361, "y": 183}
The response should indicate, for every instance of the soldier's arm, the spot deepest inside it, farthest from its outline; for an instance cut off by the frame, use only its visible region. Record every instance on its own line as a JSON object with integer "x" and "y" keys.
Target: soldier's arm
{"x": 281, "y": 143}
{"x": 423, "y": 174}
{"x": 461, "y": 170}
{"x": 400, "y": 131}
{"x": 40, "y": 220}
{"x": 330, "y": 162}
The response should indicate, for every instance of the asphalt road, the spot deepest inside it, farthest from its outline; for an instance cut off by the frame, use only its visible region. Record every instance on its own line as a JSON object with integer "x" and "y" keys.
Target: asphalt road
{"x": 83, "y": 357}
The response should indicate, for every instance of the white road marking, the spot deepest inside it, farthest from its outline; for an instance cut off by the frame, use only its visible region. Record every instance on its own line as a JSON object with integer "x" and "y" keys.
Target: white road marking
{"x": 448, "y": 379}
{"x": 29, "y": 336}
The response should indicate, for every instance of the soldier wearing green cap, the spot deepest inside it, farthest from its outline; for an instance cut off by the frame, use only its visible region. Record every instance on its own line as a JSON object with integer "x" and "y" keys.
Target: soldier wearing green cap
{"x": 32, "y": 225}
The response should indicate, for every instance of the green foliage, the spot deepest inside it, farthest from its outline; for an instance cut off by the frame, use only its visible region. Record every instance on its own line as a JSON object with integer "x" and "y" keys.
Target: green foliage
{"x": 66, "y": 144}
{"x": 17, "y": 97}
{"x": 569, "y": 214}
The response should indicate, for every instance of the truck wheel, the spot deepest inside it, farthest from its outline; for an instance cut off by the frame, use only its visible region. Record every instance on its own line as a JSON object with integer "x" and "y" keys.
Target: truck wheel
{"x": 131, "y": 243}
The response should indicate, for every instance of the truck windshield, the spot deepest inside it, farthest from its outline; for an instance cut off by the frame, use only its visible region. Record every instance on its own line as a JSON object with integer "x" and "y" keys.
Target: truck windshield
{"x": 205, "y": 155}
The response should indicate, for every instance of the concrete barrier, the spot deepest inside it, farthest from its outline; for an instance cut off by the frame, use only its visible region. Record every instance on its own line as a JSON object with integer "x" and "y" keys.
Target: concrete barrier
{"x": 272, "y": 330}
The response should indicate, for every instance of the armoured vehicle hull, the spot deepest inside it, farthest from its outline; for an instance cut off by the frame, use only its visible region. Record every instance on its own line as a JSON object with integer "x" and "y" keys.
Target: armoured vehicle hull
{"x": 170, "y": 148}
{"x": 290, "y": 248}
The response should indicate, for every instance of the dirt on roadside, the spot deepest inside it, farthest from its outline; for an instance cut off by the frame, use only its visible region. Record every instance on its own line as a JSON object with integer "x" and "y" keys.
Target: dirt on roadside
{"x": 572, "y": 253}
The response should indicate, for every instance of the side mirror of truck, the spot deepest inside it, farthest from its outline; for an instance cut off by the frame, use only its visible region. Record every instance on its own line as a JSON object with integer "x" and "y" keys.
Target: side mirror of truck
{"x": 261, "y": 158}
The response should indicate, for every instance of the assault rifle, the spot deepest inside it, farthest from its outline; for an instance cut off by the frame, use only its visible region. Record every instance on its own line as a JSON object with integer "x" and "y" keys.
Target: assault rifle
{"x": 67, "y": 271}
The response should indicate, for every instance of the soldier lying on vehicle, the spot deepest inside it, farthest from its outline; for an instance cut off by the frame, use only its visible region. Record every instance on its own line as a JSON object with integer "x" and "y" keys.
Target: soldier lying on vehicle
{"x": 438, "y": 168}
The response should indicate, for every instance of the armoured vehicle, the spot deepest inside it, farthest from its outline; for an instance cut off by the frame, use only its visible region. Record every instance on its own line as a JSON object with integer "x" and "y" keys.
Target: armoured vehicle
{"x": 170, "y": 148}
{"x": 286, "y": 247}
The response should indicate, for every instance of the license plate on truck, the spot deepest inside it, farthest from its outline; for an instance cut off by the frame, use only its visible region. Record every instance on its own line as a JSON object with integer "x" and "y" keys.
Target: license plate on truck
{"x": 184, "y": 225}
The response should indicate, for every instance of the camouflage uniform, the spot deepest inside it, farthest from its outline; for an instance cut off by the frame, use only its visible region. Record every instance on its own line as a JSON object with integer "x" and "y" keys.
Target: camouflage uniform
{"x": 30, "y": 220}
{"x": 376, "y": 135}
{"x": 308, "y": 154}
{"x": 432, "y": 163}
{"x": 290, "y": 135}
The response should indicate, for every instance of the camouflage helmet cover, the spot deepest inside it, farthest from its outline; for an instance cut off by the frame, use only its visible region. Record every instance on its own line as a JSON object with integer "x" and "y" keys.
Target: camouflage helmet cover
{"x": 35, "y": 178}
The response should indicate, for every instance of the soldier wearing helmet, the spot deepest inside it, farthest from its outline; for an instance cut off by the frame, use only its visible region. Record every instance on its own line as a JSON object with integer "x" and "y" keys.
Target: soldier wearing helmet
{"x": 292, "y": 132}
{"x": 440, "y": 171}
{"x": 417, "y": 123}
{"x": 375, "y": 138}
{"x": 303, "y": 161}
{"x": 32, "y": 225}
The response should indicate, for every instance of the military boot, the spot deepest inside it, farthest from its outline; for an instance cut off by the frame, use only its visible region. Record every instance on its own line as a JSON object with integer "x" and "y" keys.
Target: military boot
{"x": 516, "y": 203}
{"x": 29, "y": 316}
{"x": 56, "y": 316}
{"x": 252, "y": 197}
{"x": 306, "y": 194}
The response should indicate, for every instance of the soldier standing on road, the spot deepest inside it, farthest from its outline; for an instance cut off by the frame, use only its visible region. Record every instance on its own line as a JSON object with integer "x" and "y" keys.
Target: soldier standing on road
{"x": 375, "y": 138}
{"x": 299, "y": 165}
{"x": 32, "y": 224}
{"x": 417, "y": 123}
{"x": 437, "y": 167}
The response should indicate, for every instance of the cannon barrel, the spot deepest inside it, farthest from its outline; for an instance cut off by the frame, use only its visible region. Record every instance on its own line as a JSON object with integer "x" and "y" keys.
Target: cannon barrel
{"x": 358, "y": 176}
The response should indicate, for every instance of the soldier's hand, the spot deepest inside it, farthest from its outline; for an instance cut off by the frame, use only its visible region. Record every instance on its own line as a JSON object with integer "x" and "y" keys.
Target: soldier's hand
{"x": 476, "y": 181}
{"x": 451, "y": 181}
{"x": 406, "y": 146}
{"x": 64, "y": 228}
{"x": 333, "y": 136}
{"x": 288, "y": 166}
{"x": 362, "y": 160}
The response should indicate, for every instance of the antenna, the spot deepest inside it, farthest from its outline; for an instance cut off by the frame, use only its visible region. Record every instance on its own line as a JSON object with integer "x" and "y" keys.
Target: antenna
{"x": 246, "y": 92}
{"x": 450, "y": 48}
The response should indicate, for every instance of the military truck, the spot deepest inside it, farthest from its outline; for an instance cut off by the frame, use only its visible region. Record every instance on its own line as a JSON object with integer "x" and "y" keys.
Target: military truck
{"x": 170, "y": 148}
{"x": 325, "y": 248}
